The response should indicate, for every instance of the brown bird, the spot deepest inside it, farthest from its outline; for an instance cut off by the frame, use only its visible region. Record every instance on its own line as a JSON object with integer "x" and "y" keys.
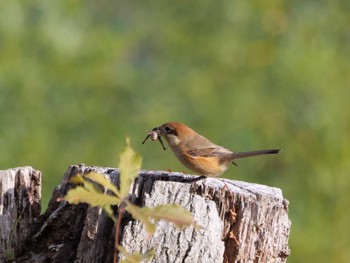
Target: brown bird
{"x": 196, "y": 152}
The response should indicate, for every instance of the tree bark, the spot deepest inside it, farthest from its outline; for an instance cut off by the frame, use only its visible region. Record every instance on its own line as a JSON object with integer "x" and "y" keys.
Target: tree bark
{"x": 20, "y": 190}
{"x": 241, "y": 222}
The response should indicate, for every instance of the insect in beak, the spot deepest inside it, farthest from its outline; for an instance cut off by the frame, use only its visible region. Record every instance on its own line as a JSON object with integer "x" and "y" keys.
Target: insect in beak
{"x": 154, "y": 135}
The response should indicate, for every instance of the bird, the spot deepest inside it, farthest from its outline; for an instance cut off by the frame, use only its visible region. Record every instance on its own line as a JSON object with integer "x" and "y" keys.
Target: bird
{"x": 196, "y": 152}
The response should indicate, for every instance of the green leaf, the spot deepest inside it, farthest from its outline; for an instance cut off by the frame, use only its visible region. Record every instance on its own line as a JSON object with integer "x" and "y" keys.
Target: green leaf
{"x": 102, "y": 180}
{"x": 90, "y": 195}
{"x": 76, "y": 179}
{"x": 130, "y": 164}
{"x": 139, "y": 214}
{"x": 136, "y": 257}
{"x": 172, "y": 213}
{"x": 109, "y": 211}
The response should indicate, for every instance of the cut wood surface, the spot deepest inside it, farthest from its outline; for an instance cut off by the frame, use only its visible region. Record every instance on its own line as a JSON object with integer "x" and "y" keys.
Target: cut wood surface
{"x": 240, "y": 222}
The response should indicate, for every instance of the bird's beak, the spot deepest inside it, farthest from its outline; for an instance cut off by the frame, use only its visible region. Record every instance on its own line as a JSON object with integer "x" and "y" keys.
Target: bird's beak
{"x": 158, "y": 131}
{"x": 155, "y": 134}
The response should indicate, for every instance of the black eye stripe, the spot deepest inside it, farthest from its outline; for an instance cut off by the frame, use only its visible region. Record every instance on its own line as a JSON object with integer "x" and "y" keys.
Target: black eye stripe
{"x": 169, "y": 130}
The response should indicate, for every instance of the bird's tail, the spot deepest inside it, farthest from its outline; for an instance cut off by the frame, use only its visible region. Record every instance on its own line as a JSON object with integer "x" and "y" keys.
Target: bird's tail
{"x": 255, "y": 153}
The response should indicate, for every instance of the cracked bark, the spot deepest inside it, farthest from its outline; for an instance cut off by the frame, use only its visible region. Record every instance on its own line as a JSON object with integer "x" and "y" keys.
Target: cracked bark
{"x": 20, "y": 190}
{"x": 241, "y": 223}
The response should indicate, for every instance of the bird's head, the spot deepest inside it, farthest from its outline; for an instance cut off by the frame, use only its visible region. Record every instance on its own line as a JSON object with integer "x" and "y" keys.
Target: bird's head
{"x": 175, "y": 132}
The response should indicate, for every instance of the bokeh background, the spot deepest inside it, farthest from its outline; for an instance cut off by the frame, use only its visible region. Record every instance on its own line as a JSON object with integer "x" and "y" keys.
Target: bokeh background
{"x": 76, "y": 77}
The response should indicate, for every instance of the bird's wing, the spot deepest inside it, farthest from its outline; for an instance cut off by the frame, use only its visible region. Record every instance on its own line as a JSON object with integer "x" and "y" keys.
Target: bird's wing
{"x": 209, "y": 152}
{"x": 202, "y": 147}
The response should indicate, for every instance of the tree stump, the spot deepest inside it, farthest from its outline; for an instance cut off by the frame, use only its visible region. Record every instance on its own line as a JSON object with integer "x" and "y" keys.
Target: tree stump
{"x": 20, "y": 195}
{"x": 241, "y": 222}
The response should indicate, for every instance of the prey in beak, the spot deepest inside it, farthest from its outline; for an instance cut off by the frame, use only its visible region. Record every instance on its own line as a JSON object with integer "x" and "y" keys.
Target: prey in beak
{"x": 154, "y": 134}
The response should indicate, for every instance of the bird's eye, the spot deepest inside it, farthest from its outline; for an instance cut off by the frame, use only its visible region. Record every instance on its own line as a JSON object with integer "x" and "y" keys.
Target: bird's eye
{"x": 167, "y": 129}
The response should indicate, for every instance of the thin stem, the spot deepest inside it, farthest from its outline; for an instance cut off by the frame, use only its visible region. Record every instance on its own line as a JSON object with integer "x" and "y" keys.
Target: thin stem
{"x": 117, "y": 232}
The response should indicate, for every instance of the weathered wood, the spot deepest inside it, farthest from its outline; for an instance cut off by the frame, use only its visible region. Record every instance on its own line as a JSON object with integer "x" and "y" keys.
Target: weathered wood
{"x": 71, "y": 233}
{"x": 240, "y": 222}
{"x": 20, "y": 190}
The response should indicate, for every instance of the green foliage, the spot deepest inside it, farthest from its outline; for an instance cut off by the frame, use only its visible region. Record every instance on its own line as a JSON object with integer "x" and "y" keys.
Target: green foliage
{"x": 130, "y": 164}
{"x": 93, "y": 190}
{"x": 90, "y": 194}
{"x": 76, "y": 76}
{"x": 172, "y": 213}
{"x": 96, "y": 177}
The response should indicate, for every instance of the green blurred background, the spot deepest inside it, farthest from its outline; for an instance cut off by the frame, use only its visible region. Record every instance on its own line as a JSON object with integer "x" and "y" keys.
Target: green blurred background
{"x": 76, "y": 77}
